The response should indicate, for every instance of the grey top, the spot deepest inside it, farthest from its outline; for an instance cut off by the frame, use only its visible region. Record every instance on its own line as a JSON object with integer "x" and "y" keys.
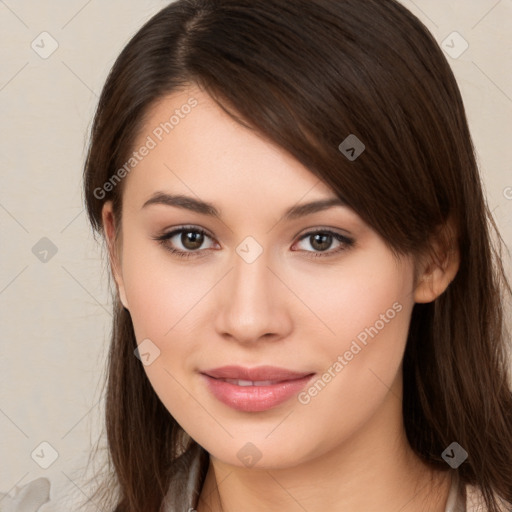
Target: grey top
{"x": 188, "y": 480}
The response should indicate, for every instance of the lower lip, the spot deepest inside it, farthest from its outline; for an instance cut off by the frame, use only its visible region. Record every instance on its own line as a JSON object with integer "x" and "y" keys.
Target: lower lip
{"x": 255, "y": 398}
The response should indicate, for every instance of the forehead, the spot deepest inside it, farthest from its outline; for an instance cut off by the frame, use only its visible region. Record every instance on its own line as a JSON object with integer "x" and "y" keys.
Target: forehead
{"x": 189, "y": 145}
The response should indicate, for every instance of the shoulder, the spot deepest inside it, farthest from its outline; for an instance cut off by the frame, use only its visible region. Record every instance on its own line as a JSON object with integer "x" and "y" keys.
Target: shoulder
{"x": 186, "y": 481}
{"x": 464, "y": 497}
{"x": 475, "y": 501}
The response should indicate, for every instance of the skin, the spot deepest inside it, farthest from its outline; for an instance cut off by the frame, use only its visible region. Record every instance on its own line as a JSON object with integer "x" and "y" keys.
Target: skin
{"x": 346, "y": 449}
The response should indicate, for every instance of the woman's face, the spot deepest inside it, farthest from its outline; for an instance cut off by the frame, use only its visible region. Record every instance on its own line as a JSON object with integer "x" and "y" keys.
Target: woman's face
{"x": 258, "y": 288}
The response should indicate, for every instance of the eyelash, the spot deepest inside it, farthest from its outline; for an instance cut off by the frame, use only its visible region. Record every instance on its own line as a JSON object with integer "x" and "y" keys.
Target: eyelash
{"x": 163, "y": 240}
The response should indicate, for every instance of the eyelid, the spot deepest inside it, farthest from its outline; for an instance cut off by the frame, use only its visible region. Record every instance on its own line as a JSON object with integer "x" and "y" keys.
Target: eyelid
{"x": 323, "y": 229}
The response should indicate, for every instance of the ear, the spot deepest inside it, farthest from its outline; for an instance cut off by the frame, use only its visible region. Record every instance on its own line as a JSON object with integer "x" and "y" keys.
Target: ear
{"x": 109, "y": 229}
{"x": 438, "y": 269}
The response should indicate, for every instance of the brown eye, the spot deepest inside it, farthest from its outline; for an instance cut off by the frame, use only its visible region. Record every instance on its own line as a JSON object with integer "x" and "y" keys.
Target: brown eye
{"x": 186, "y": 242}
{"x": 192, "y": 240}
{"x": 322, "y": 240}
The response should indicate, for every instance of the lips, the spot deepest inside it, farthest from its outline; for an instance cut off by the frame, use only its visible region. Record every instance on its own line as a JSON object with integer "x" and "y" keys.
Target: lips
{"x": 261, "y": 374}
{"x": 254, "y": 389}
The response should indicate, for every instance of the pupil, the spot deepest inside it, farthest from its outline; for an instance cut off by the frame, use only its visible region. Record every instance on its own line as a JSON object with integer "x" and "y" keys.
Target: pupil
{"x": 191, "y": 239}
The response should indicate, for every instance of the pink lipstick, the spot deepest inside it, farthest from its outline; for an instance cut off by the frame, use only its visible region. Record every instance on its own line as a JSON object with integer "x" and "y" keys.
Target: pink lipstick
{"x": 254, "y": 389}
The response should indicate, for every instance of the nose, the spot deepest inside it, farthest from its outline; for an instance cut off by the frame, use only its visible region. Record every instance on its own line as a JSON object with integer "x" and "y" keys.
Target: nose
{"x": 253, "y": 303}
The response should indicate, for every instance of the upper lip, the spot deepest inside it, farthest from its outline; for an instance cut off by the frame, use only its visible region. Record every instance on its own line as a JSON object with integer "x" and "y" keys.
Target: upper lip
{"x": 260, "y": 373}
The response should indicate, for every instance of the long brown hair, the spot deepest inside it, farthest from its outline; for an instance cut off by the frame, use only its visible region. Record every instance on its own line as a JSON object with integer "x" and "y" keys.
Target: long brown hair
{"x": 306, "y": 74}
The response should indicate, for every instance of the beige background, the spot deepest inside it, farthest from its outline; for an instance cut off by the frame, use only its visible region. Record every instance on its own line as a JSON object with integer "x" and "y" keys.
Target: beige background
{"x": 54, "y": 315}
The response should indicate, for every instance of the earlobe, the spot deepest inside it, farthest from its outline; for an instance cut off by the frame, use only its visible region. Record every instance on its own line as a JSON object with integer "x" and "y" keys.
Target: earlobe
{"x": 109, "y": 230}
{"x": 439, "y": 270}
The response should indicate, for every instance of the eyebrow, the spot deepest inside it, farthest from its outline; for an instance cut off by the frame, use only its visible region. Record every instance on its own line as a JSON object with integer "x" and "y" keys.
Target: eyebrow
{"x": 204, "y": 208}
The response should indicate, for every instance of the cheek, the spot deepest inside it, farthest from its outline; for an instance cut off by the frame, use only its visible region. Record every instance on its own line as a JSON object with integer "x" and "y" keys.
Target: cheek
{"x": 365, "y": 309}
{"x": 367, "y": 295}
{"x": 161, "y": 299}
{"x": 161, "y": 294}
